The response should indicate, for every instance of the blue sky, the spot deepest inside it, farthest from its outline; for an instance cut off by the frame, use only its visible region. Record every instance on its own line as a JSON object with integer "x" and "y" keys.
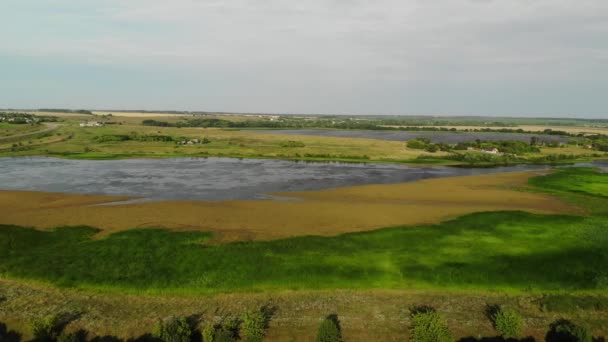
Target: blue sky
{"x": 441, "y": 57}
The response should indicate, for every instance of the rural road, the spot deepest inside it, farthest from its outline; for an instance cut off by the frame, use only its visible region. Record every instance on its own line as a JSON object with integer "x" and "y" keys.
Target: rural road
{"x": 49, "y": 127}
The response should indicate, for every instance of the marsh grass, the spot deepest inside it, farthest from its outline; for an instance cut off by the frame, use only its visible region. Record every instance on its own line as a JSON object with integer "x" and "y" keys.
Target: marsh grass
{"x": 488, "y": 250}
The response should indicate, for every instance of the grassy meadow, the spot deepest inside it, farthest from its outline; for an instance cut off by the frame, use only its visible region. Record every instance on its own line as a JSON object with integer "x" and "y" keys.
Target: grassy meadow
{"x": 483, "y": 251}
{"x": 7, "y": 129}
{"x": 489, "y": 251}
{"x": 84, "y": 143}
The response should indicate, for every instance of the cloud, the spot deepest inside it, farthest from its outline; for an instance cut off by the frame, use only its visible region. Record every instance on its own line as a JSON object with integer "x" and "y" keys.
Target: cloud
{"x": 331, "y": 44}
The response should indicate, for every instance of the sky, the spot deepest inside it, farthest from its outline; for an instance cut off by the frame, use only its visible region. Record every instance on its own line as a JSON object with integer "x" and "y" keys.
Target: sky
{"x": 423, "y": 57}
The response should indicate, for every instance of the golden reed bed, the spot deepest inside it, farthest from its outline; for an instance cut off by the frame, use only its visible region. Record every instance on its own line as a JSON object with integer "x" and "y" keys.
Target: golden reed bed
{"x": 327, "y": 212}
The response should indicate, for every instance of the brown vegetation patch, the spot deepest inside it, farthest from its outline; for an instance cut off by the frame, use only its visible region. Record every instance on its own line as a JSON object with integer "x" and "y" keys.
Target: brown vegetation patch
{"x": 328, "y": 212}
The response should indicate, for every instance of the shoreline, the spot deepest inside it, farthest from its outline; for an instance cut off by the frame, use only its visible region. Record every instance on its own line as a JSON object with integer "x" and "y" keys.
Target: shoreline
{"x": 416, "y": 162}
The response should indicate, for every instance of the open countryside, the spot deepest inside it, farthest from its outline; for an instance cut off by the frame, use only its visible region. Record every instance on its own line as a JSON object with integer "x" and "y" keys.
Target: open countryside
{"x": 138, "y": 215}
{"x": 303, "y": 171}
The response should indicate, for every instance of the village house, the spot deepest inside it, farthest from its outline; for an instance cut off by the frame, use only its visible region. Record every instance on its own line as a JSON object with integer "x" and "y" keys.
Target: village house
{"x": 91, "y": 124}
{"x": 492, "y": 150}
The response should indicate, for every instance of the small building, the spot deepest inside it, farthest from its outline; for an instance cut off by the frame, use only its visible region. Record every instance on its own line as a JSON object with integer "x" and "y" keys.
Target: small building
{"x": 91, "y": 124}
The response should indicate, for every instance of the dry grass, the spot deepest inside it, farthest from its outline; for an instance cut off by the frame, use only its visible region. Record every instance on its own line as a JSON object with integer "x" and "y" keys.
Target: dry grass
{"x": 326, "y": 213}
{"x": 376, "y": 315}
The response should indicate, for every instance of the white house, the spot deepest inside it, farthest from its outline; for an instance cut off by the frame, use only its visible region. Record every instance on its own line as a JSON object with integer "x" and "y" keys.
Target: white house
{"x": 91, "y": 124}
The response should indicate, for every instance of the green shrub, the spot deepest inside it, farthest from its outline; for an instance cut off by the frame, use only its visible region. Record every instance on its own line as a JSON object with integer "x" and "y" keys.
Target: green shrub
{"x": 427, "y": 326}
{"x": 508, "y": 323}
{"x": 253, "y": 326}
{"x": 329, "y": 330}
{"x": 566, "y": 331}
{"x": 173, "y": 330}
{"x": 432, "y": 148}
{"x": 208, "y": 333}
{"x": 418, "y": 144}
{"x": 46, "y": 329}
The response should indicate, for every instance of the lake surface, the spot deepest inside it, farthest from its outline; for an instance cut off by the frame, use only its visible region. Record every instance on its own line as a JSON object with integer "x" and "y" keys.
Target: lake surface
{"x": 438, "y": 137}
{"x": 208, "y": 178}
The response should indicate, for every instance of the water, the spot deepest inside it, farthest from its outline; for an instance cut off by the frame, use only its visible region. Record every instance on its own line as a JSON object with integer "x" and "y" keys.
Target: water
{"x": 208, "y": 178}
{"x": 438, "y": 137}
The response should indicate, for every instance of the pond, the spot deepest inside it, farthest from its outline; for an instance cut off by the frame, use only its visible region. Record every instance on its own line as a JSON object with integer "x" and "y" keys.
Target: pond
{"x": 208, "y": 178}
{"x": 437, "y": 137}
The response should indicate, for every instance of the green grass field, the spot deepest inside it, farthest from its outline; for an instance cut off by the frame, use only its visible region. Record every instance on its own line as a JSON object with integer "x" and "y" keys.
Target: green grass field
{"x": 484, "y": 251}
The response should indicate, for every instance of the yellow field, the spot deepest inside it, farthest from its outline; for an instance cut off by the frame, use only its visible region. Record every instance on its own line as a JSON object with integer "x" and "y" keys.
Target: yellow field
{"x": 328, "y": 212}
{"x": 533, "y": 128}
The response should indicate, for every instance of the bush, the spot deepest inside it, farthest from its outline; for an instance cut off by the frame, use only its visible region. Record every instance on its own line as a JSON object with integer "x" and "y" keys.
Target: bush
{"x": 418, "y": 144}
{"x": 566, "y": 331}
{"x": 46, "y": 329}
{"x": 173, "y": 330}
{"x": 427, "y": 326}
{"x": 432, "y": 148}
{"x": 208, "y": 333}
{"x": 329, "y": 330}
{"x": 253, "y": 326}
{"x": 508, "y": 323}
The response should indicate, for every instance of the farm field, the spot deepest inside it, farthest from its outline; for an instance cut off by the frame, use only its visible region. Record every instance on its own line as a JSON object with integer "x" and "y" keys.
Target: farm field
{"x": 575, "y": 129}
